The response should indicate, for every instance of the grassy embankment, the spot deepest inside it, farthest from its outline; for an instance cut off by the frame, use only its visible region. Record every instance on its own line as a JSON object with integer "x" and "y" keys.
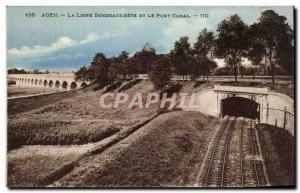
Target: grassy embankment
{"x": 277, "y": 147}
{"x": 74, "y": 117}
{"x": 166, "y": 152}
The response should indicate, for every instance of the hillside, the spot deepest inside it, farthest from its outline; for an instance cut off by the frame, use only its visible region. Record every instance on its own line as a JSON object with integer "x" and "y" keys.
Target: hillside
{"x": 166, "y": 152}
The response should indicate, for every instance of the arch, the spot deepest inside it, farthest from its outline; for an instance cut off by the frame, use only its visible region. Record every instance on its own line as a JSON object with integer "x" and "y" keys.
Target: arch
{"x": 50, "y": 83}
{"x": 57, "y": 83}
{"x": 240, "y": 107}
{"x": 32, "y": 81}
{"x": 73, "y": 85}
{"x": 65, "y": 85}
{"x": 45, "y": 82}
{"x": 36, "y": 81}
{"x": 84, "y": 84}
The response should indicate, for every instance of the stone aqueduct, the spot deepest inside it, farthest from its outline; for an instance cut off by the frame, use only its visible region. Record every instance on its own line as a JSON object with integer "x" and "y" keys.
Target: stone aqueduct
{"x": 53, "y": 80}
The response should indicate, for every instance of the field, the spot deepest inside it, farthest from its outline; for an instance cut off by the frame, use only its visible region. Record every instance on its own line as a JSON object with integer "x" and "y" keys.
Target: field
{"x": 70, "y": 119}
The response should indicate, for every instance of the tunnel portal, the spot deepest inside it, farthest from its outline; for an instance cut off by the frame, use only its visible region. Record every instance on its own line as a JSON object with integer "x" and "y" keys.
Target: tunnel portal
{"x": 240, "y": 107}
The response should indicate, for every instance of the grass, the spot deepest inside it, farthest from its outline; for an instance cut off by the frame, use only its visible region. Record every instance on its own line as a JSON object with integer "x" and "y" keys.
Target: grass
{"x": 18, "y": 170}
{"x": 19, "y": 92}
{"x": 19, "y": 105}
{"x": 70, "y": 120}
{"x": 62, "y": 159}
{"x": 166, "y": 152}
{"x": 45, "y": 132}
{"x": 278, "y": 152}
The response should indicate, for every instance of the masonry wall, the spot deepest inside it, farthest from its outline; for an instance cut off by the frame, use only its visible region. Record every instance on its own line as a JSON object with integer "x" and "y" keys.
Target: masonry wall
{"x": 275, "y": 108}
{"x": 58, "y": 81}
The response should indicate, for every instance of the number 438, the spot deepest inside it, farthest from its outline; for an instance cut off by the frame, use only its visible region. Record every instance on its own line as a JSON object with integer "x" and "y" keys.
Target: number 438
{"x": 29, "y": 14}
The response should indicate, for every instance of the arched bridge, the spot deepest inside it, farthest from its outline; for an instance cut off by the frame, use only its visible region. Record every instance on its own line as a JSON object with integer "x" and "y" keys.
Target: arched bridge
{"x": 52, "y": 80}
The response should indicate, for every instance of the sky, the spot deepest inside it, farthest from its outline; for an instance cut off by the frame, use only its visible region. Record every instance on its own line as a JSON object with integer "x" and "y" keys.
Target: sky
{"x": 67, "y": 43}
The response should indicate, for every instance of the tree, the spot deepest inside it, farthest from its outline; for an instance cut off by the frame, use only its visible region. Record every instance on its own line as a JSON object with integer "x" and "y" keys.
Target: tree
{"x": 232, "y": 41}
{"x": 82, "y": 74}
{"x": 284, "y": 56}
{"x": 276, "y": 36}
{"x": 13, "y": 71}
{"x": 144, "y": 58}
{"x": 256, "y": 54}
{"x": 123, "y": 60}
{"x": 160, "y": 72}
{"x": 131, "y": 67}
{"x": 36, "y": 71}
{"x": 202, "y": 64}
{"x": 119, "y": 66}
{"x": 98, "y": 71}
{"x": 16, "y": 71}
{"x": 207, "y": 66}
{"x": 114, "y": 69}
{"x": 181, "y": 57}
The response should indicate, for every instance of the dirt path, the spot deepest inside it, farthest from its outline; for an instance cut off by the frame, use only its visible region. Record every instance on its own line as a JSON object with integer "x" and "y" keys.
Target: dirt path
{"x": 46, "y": 163}
{"x": 31, "y": 164}
{"x": 53, "y": 150}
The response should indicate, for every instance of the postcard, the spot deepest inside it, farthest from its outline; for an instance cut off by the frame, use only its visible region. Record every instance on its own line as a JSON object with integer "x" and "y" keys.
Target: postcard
{"x": 150, "y": 97}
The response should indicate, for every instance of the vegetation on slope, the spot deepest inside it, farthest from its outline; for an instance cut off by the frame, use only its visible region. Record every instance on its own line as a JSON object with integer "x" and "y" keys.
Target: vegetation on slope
{"x": 277, "y": 146}
{"x": 166, "y": 152}
{"x": 73, "y": 120}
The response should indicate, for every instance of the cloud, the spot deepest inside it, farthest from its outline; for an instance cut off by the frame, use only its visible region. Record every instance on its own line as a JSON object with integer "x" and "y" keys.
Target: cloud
{"x": 178, "y": 28}
{"x": 89, "y": 38}
{"x": 62, "y": 42}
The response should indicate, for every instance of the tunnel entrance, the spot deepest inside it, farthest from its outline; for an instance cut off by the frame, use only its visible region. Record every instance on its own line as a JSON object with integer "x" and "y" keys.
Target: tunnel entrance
{"x": 240, "y": 107}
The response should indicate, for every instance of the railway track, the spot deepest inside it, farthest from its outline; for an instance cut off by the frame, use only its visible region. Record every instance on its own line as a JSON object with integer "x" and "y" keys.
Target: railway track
{"x": 234, "y": 159}
{"x": 252, "y": 170}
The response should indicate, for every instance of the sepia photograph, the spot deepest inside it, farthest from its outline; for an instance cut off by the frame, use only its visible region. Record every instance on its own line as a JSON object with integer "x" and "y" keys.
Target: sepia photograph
{"x": 150, "y": 97}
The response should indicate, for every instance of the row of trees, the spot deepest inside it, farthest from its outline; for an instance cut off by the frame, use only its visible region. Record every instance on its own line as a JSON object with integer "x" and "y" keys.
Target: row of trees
{"x": 268, "y": 42}
{"x": 22, "y": 71}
